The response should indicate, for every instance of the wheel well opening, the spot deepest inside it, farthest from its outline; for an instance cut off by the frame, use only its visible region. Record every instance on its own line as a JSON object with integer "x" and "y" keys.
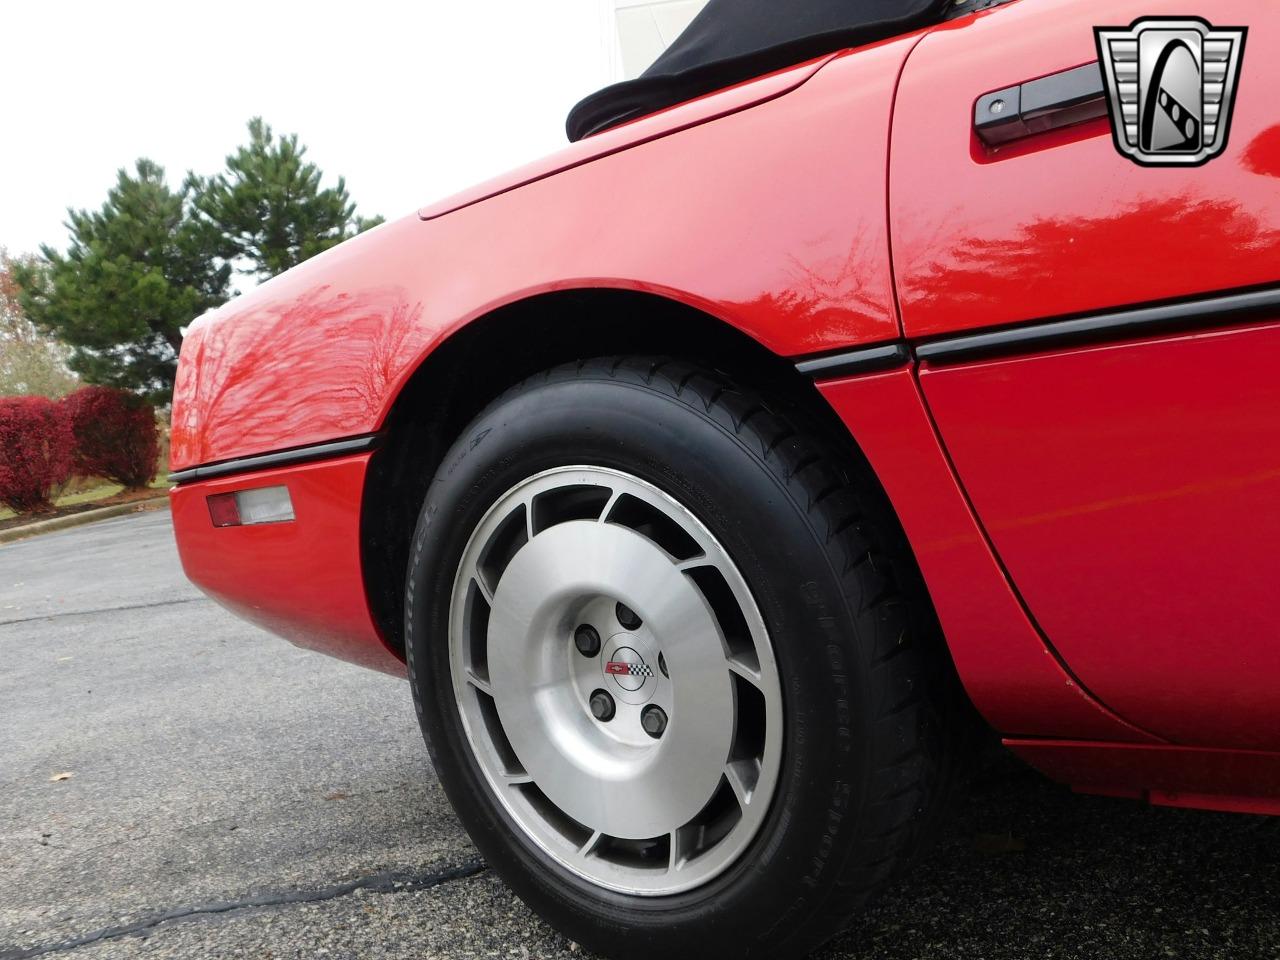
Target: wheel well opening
{"x": 459, "y": 379}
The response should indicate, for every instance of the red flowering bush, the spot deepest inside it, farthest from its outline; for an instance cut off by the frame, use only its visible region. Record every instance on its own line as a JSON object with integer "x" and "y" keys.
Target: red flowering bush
{"x": 35, "y": 452}
{"x": 115, "y": 435}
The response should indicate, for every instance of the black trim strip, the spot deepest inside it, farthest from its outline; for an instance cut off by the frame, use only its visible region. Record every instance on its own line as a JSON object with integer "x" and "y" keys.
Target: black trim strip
{"x": 1121, "y": 324}
{"x": 866, "y": 360}
{"x": 1206, "y": 313}
{"x": 281, "y": 458}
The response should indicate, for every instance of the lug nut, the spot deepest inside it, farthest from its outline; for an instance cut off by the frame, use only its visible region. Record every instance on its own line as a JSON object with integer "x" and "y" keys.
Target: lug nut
{"x": 627, "y": 617}
{"x": 602, "y": 706}
{"x": 587, "y": 640}
{"x": 654, "y": 721}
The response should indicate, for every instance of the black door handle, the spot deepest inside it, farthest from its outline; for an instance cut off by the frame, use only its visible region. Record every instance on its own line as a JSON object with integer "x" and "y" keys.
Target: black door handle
{"x": 1058, "y": 100}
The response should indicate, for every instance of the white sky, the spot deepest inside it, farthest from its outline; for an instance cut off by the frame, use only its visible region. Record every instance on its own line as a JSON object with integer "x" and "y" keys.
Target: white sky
{"x": 410, "y": 101}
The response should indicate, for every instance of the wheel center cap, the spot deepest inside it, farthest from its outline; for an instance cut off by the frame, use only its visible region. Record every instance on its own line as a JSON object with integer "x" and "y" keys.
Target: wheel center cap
{"x": 629, "y": 664}
{"x": 628, "y": 669}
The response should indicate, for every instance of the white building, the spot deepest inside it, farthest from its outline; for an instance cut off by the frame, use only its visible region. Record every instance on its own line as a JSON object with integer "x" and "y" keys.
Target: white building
{"x": 636, "y": 31}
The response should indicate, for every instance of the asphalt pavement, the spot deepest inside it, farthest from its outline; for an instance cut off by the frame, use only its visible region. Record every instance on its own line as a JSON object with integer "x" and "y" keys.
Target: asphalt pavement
{"x": 177, "y": 783}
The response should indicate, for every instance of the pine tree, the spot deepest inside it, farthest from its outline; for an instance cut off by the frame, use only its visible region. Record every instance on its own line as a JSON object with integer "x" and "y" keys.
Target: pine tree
{"x": 137, "y": 272}
{"x": 31, "y": 362}
{"x": 270, "y": 206}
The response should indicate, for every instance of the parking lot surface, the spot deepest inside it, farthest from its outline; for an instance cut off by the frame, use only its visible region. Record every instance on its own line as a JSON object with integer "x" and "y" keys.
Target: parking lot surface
{"x": 177, "y": 783}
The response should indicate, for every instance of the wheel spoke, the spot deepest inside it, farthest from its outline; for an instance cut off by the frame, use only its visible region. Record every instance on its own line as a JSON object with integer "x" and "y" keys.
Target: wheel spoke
{"x": 684, "y": 566}
{"x": 588, "y": 848}
{"x": 480, "y": 683}
{"x": 516, "y": 778}
{"x": 677, "y": 857}
{"x": 483, "y": 586}
{"x": 746, "y": 672}
{"x": 742, "y": 776}
{"x": 614, "y": 494}
{"x": 528, "y": 519}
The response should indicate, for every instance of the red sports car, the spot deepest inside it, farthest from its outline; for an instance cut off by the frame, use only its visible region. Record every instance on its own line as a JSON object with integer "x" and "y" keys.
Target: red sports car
{"x": 858, "y": 381}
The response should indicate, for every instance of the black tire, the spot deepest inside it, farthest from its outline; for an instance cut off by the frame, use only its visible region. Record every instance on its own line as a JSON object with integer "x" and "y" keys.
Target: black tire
{"x": 867, "y": 766}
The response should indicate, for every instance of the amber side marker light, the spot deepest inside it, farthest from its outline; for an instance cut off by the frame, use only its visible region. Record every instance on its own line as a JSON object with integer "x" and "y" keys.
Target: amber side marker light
{"x": 248, "y": 507}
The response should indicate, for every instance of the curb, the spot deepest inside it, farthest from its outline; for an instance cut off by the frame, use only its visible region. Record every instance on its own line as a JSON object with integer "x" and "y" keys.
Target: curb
{"x": 85, "y": 516}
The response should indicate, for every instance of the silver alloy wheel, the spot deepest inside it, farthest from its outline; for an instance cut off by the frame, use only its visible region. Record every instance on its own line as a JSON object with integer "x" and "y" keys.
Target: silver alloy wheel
{"x": 664, "y": 785}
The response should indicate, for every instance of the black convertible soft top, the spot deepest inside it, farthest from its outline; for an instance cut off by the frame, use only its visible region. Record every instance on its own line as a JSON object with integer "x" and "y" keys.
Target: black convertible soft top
{"x": 734, "y": 40}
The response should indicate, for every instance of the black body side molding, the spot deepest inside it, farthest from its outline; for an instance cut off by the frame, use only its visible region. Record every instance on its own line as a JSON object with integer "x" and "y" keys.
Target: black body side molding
{"x": 884, "y": 356}
{"x": 1101, "y": 327}
{"x": 281, "y": 458}
{"x": 1205, "y": 313}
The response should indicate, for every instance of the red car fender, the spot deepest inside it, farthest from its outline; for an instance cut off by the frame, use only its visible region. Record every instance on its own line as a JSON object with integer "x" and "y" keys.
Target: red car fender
{"x": 321, "y": 352}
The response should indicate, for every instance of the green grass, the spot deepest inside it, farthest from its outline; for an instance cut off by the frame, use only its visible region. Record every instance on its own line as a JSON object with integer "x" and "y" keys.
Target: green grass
{"x": 88, "y": 496}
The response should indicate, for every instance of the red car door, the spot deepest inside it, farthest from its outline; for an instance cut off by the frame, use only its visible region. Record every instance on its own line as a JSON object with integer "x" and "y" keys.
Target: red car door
{"x": 1100, "y": 347}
